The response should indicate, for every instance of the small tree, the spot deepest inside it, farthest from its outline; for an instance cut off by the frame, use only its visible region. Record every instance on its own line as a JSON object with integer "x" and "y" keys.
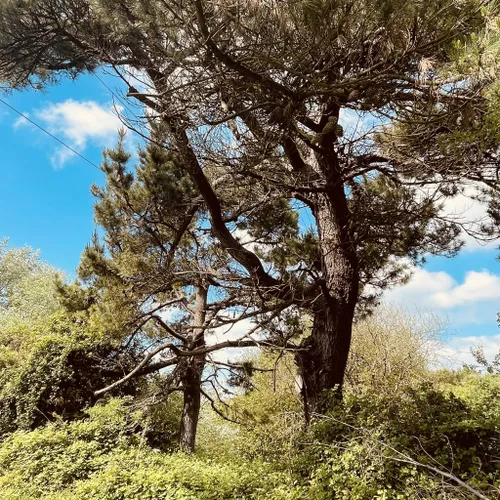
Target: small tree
{"x": 159, "y": 282}
{"x": 27, "y": 285}
{"x": 392, "y": 350}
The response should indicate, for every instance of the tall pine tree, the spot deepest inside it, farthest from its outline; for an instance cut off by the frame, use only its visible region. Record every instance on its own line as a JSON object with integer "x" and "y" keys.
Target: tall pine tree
{"x": 252, "y": 98}
{"x": 159, "y": 281}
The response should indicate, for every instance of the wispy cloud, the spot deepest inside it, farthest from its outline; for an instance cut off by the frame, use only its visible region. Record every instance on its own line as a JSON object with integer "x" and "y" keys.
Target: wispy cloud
{"x": 457, "y": 351}
{"x": 21, "y": 121}
{"x": 79, "y": 124}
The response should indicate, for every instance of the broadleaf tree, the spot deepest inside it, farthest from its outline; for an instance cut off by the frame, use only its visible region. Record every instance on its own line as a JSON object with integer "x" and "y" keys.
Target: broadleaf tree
{"x": 27, "y": 285}
{"x": 252, "y": 97}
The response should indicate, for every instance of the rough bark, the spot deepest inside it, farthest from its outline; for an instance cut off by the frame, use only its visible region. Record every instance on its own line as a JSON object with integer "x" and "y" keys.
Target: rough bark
{"x": 323, "y": 360}
{"x": 191, "y": 375}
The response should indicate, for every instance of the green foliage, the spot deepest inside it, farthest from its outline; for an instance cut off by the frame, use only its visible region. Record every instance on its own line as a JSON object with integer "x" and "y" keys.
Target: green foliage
{"x": 481, "y": 392}
{"x": 143, "y": 475}
{"x": 48, "y": 359}
{"x": 391, "y": 351}
{"x": 27, "y": 286}
{"x": 53, "y": 368}
{"x": 290, "y": 65}
{"x": 381, "y": 446}
{"x": 397, "y": 221}
{"x": 377, "y": 444}
{"x": 477, "y": 58}
{"x": 362, "y": 471}
{"x": 161, "y": 421}
{"x": 398, "y": 420}
{"x": 104, "y": 458}
{"x": 269, "y": 413}
{"x": 51, "y": 457}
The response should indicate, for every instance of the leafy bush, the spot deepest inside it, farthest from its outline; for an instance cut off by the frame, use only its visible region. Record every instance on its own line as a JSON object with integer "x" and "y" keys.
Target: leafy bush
{"x": 376, "y": 446}
{"x": 482, "y": 394}
{"x": 392, "y": 350}
{"x": 268, "y": 415}
{"x": 52, "y": 457}
{"x": 390, "y": 438}
{"x": 105, "y": 458}
{"x": 54, "y": 374}
{"x": 370, "y": 447}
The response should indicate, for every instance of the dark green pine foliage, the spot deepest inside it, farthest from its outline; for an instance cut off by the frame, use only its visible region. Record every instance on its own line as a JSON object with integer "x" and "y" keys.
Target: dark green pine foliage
{"x": 146, "y": 267}
{"x": 253, "y": 99}
{"x": 396, "y": 225}
{"x": 154, "y": 253}
{"x": 142, "y": 215}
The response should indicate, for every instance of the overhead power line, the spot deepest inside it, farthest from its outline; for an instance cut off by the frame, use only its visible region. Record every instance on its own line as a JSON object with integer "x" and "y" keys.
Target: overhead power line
{"x": 49, "y": 134}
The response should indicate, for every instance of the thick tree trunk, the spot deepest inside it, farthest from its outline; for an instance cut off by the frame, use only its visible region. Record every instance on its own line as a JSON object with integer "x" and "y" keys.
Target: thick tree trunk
{"x": 323, "y": 361}
{"x": 191, "y": 376}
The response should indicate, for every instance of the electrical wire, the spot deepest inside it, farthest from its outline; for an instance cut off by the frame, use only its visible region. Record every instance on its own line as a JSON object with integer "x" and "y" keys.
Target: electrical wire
{"x": 49, "y": 134}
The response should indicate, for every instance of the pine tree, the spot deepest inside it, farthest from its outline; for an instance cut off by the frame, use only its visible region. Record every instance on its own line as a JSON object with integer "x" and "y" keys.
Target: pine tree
{"x": 159, "y": 283}
{"x": 251, "y": 97}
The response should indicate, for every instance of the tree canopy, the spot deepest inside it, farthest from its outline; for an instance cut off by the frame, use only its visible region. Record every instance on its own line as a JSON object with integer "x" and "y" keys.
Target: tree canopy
{"x": 246, "y": 108}
{"x": 27, "y": 285}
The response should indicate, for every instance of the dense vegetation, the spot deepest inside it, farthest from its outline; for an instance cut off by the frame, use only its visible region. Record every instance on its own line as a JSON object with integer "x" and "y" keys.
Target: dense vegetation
{"x": 118, "y": 386}
{"x": 372, "y": 447}
{"x": 403, "y": 429}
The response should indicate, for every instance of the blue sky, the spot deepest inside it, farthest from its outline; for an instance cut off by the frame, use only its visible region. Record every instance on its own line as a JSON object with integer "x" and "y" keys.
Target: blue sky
{"x": 45, "y": 202}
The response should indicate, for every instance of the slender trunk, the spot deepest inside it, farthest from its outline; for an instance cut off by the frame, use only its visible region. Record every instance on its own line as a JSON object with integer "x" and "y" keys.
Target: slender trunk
{"x": 323, "y": 361}
{"x": 192, "y": 372}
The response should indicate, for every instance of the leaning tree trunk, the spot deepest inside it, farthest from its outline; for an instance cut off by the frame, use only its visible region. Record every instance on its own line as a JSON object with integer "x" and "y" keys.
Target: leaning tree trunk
{"x": 191, "y": 375}
{"x": 322, "y": 362}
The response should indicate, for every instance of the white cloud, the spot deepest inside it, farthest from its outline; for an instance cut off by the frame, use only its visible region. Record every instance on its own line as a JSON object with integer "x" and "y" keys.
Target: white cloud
{"x": 138, "y": 79}
{"x": 357, "y": 123}
{"x": 80, "y": 121}
{"x": 463, "y": 206}
{"x": 236, "y": 331}
{"x": 477, "y": 286}
{"x": 466, "y": 208}
{"x": 457, "y": 351}
{"x": 243, "y": 236}
{"x": 472, "y": 303}
{"x": 421, "y": 288}
{"x": 476, "y": 300}
{"x": 171, "y": 313}
{"x": 250, "y": 243}
{"x": 77, "y": 123}
{"x": 21, "y": 120}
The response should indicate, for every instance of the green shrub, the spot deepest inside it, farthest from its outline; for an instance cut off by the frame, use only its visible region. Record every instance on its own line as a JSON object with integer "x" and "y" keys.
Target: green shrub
{"x": 141, "y": 475}
{"x": 482, "y": 394}
{"x": 56, "y": 374}
{"x": 104, "y": 457}
{"x": 269, "y": 414}
{"x": 60, "y": 453}
{"x": 392, "y": 350}
{"x": 376, "y": 446}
